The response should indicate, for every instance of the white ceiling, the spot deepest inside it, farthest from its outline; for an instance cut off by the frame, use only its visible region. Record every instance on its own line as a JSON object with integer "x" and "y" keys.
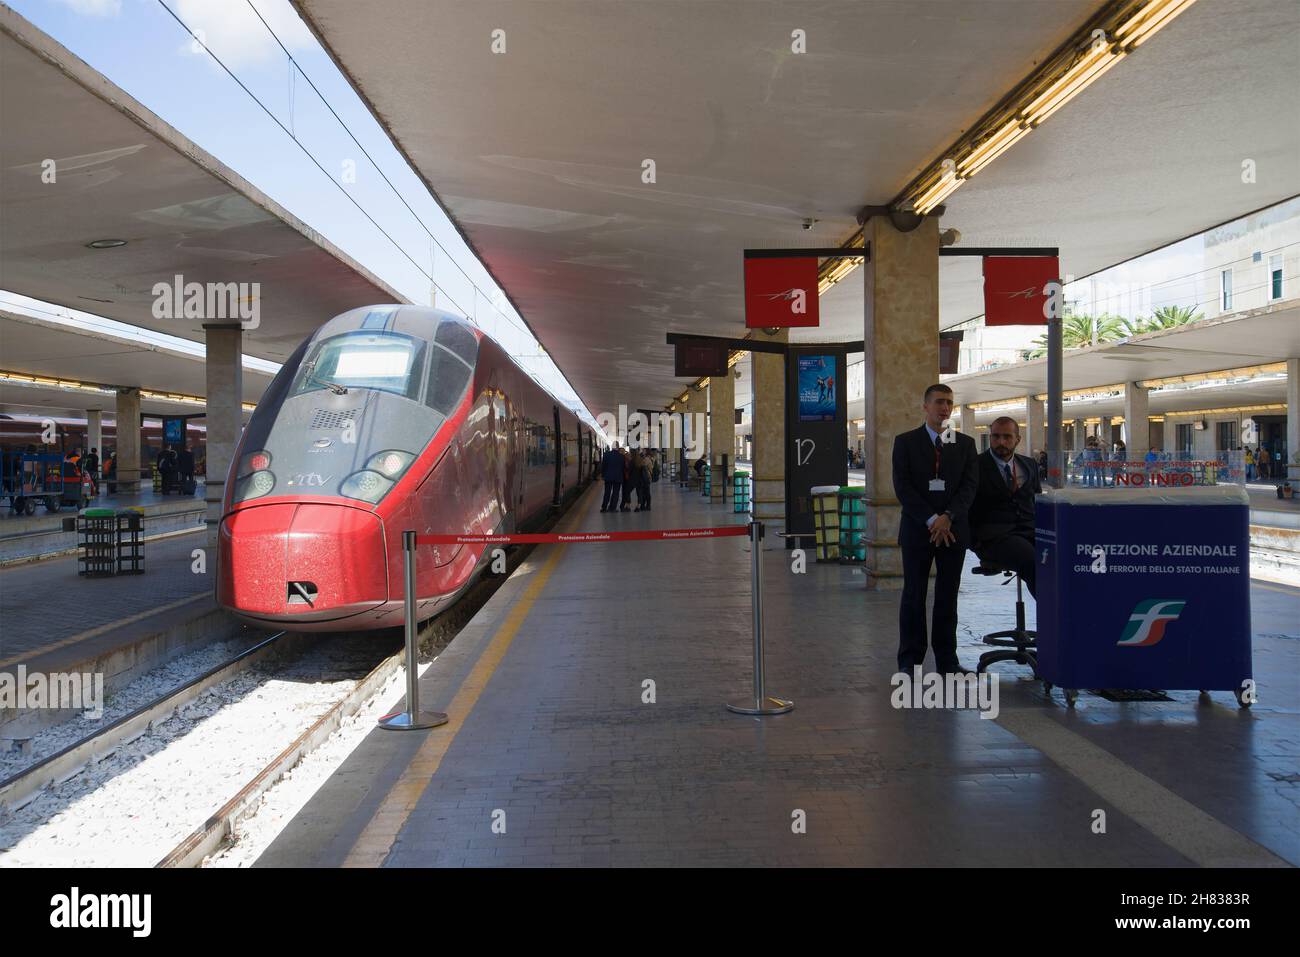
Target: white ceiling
{"x": 1149, "y": 154}
{"x": 537, "y": 153}
{"x": 125, "y": 174}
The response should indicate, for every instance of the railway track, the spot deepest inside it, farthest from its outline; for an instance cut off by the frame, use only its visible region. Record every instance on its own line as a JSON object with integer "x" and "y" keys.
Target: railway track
{"x": 19, "y": 789}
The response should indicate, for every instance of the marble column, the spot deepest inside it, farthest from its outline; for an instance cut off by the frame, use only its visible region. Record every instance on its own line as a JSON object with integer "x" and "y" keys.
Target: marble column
{"x": 95, "y": 433}
{"x": 224, "y": 418}
{"x": 1137, "y": 430}
{"x": 1292, "y": 419}
{"x": 769, "y": 436}
{"x": 901, "y": 338}
{"x": 1035, "y": 425}
{"x": 127, "y": 444}
{"x": 722, "y": 429}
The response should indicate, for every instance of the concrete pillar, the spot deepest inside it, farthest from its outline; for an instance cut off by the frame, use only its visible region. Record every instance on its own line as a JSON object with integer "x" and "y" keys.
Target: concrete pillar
{"x": 128, "y": 441}
{"x": 1106, "y": 432}
{"x": 225, "y": 375}
{"x": 95, "y": 433}
{"x": 1077, "y": 432}
{"x": 854, "y": 434}
{"x": 1292, "y": 416}
{"x": 722, "y": 428}
{"x": 901, "y": 338}
{"x": 1035, "y": 438}
{"x": 1137, "y": 430}
{"x": 769, "y": 436}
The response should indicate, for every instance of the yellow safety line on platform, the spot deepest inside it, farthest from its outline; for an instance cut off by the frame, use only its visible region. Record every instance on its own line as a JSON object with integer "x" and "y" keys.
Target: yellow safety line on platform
{"x": 100, "y": 629}
{"x": 381, "y": 832}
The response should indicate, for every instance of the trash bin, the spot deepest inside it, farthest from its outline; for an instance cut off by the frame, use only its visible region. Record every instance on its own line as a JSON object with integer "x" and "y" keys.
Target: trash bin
{"x": 853, "y": 523}
{"x": 826, "y": 521}
{"x": 740, "y": 492}
{"x": 97, "y": 541}
{"x": 130, "y": 544}
{"x": 1144, "y": 588}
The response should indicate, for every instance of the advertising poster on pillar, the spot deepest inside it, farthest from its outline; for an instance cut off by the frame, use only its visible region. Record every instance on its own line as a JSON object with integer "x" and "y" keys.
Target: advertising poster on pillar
{"x": 816, "y": 430}
{"x": 817, "y": 389}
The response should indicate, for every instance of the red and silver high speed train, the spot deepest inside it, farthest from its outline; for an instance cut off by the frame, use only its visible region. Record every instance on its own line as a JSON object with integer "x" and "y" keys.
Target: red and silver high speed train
{"x": 388, "y": 418}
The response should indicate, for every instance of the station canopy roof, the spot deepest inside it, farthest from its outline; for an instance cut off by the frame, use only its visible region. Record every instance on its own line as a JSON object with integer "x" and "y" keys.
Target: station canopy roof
{"x": 123, "y": 173}
{"x": 75, "y": 356}
{"x": 537, "y": 152}
{"x": 1238, "y": 341}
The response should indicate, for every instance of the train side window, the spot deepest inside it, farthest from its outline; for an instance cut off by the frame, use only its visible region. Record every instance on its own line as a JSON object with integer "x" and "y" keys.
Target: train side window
{"x": 448, "y": 377}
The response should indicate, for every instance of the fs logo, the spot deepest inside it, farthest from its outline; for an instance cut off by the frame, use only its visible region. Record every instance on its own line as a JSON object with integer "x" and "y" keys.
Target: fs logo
{"x": 1146, "y": 625}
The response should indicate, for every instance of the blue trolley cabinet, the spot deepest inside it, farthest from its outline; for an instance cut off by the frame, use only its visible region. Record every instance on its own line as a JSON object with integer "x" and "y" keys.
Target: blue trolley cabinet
{"x": 1144, "y": 589}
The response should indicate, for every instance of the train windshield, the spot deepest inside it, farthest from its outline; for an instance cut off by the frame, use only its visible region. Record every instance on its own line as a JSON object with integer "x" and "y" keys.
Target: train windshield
{"x": 384, "y": 361}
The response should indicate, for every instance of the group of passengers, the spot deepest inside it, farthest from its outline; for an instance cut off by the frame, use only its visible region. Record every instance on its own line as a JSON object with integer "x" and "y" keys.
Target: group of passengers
{"x": 626, "y": 471}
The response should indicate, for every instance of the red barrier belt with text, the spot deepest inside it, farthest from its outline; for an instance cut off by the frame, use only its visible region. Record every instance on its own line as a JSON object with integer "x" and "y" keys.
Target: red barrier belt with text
{"x": 725, "y": 531}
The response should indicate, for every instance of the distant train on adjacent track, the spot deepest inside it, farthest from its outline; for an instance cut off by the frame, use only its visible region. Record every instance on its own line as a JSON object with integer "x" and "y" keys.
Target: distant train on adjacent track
{"x": 388, "y": 418}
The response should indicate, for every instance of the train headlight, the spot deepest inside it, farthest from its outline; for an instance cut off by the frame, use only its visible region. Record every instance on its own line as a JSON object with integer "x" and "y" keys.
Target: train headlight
{"x": 254, "y": 486}
{"x": 366, "y": 485}
{"x": 390, "y": 463}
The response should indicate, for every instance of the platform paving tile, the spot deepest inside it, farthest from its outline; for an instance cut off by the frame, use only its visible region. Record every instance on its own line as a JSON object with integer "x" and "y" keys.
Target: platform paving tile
{"x": 588, "y": 774}
{"x": 47, "y": 602}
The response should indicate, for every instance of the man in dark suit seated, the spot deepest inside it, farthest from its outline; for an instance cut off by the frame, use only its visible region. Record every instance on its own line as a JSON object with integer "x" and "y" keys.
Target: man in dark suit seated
{"x": 1002, "y": 518}
{"x": 935, "y": 478}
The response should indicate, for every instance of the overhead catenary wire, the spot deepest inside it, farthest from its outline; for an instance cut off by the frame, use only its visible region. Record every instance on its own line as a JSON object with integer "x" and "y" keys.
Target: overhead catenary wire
{"x": 297, "y": 67}
{"x": 290, "y": 133}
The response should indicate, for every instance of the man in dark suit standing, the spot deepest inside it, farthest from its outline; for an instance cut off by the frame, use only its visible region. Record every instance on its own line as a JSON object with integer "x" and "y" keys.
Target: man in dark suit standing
{"x": 935, "y": 478}
{"x": 1002, "y": 518}
{"x": 611, "y": 470}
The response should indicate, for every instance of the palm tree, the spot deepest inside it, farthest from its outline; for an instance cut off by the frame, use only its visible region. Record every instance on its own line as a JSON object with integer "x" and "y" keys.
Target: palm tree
{"x": 1169, "y": 317}
{"x": 1077, "y": 332}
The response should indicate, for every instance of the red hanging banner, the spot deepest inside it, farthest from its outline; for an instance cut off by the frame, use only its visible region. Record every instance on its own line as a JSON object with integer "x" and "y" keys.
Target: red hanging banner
{"x": 1015, "y": 289}
{"x": 780, "y": 292}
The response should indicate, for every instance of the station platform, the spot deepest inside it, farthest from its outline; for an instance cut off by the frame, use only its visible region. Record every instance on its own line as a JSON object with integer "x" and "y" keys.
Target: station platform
{"x": 56, "y": 621}
{"x": 551, "y": 737}
{"x": 32, "y": 537}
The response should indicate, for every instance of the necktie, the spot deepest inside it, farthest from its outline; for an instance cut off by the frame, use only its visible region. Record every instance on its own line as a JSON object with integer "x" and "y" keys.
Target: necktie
{"x": 1011, "y": 476}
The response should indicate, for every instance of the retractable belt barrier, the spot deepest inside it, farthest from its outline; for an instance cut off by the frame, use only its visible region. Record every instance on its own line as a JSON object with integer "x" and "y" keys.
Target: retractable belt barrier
{"x": 761, "y": 704}
{"x": 556, "y": 538}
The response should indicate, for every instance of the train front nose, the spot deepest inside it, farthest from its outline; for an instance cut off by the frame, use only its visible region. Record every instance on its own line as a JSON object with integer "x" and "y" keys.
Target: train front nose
{"x": 308, "y": 563}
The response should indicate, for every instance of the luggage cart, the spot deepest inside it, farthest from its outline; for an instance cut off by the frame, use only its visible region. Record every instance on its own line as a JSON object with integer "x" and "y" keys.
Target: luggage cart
{"x": 30, "y": 479}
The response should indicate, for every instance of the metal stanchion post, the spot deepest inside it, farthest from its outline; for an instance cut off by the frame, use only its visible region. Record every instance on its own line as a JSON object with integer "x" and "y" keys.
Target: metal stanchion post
{"x": 762, "y": 703}
{"x": 412, "y": 718}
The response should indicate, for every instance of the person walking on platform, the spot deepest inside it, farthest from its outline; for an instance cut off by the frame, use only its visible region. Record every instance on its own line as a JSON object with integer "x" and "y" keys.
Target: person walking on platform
{"x": 611, "y": 470}
{"x": 642, "y": 463}
{"x": 1002, "y": 515}
{"x": 936, "y": 474}
{"x": 185, "y": 470}
{"x": 625, "y": 502}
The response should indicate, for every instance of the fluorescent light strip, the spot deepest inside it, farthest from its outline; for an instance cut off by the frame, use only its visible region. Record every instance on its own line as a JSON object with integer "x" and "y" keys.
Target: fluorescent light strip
{"x": 1083, "y": 82}
{"x": 1082, "y": 65}
{"x": 932, "y": 199}
{"x": 992, "y": 156}
{"x": 992, "y": 143}
{"x": 1080, "y": 74}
